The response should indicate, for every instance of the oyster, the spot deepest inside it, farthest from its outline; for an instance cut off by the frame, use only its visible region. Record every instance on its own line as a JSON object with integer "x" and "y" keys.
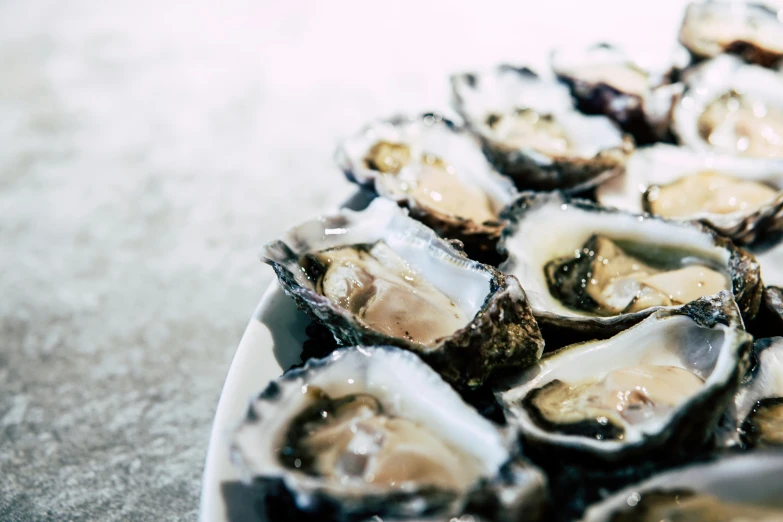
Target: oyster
{"x": 733, "y": 108}
{"x": 380, "y": 277}
{"x": 532, "y": 132}
{"x": 595, "y": 271}
{"x": 745, "y": 487}
{"x": 604, "y": 80}
{"x": 750, "y": 30}
{"x": 727, "y": 193}
{"x": 660, "y": 385}
{"x": 373, "y": 431}
{"x": 436, "y": 170}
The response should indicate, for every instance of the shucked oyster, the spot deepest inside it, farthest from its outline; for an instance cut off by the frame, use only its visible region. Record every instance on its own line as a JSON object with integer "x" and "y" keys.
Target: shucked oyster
{"x": 532, "y": 132}
{"x": 735, "y": 488}
{"x": 436, "y": 170}
{"x": 380, "y": 277}
{"x": 728, "y": 193}
{"x": 594, "y": 271}
{"x": 604, "y": 80}
{"x": 373, "y": 431}
{"x": 733, "y": 108}
{"x": 750, "y": 30}
{"x": 662, "y": 384}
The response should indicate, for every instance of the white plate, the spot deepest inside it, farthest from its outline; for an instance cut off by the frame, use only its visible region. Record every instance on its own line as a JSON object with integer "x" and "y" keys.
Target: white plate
{"x": 271, "y": 344}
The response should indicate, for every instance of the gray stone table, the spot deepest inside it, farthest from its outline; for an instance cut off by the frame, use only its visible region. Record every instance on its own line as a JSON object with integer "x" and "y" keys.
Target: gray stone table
{"x": 147, "y": 149}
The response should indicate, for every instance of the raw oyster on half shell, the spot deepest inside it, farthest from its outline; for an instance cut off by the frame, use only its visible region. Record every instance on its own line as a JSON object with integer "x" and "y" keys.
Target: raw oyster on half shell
{"x": 438, "y": 171}
{"x": 605, "y": 80}
{"x": 532, "y": 132}
{"x": 750, "y": 30}
{"x": 374, "y": 432}
{"x": 379, "y": 277}
{"x": 736, "y": 197}
{"x": 595, "y": 271}
{"x": 660, "y": 385}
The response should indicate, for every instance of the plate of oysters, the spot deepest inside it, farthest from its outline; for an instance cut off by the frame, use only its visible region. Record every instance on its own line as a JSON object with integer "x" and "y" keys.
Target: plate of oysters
{"x": 565, "y": 304}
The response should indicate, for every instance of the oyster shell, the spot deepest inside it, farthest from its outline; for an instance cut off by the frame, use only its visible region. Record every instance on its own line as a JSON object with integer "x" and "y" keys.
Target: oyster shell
{"x": 770, "y": 256}
{"x": 745, "y": 487}
{"x": 727, "y": 193}
{"x": 436, "y": 170}
{"x": 379, "y": 277}
{"x": 733, "y": 108}
{"x": 373, "y": 431}
{"x": 750, "y": 30}
{"x": 593, "y": 271}
{"x": 660, "y": 385}
{"x": 604, "y": 80}
{"x": 757, "y": 418}
{"x": 532, "y": 132}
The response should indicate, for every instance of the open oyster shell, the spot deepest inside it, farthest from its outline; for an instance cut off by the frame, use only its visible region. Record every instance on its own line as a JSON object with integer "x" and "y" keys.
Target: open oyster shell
{"x": 532, "y": 132}
{"x": 660, "y": 385}
{"x": 756, "y": 418}
{"x": 735, "y": 487}
{"x": 733, "y": 108}
{"x": 417, "y": 292}
{"x": 604, "y": 80}
{"x": 748, "y": 29}
{"x": 436, "y": 170}
{"x": 699, "y": 185}
{"x": 545, "y": 228}
{"x": 373, "y": 431}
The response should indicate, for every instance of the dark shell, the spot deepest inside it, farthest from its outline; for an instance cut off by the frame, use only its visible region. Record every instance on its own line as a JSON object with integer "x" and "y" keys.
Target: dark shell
{"x": 502, "y": 335}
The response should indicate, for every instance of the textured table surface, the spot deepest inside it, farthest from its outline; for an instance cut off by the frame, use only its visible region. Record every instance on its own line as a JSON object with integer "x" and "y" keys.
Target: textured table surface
{"x": 147, "y": 149}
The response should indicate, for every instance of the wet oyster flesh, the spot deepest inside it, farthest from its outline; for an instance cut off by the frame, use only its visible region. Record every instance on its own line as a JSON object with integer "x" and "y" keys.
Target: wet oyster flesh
{"x": 689, "y": 506}
{"x": 381, "y": 289}
{"x": 351, "y": 439}
{"x": 740, "y": 125}
{"x": 525, "y": 128}
{"x": 708, "y": 192}
{"x": 610, "y": 278}
{"x": 430, "y": 181}
{"x": 599, "y": 408}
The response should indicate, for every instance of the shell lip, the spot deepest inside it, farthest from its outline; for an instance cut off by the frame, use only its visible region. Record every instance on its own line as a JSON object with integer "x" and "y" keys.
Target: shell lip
{"x": 729, "y": 474}
{"x": 716, "y": 312}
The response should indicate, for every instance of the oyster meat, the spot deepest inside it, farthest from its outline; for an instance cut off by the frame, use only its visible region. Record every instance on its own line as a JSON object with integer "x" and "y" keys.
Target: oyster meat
{"x": 733, "y": 108}
{"x": 731, "y": 194}
{"x": 605, "y": 80}
{"x": 746, "y": 487}
{"x": 596, "y": 271}
{"x": 436, "y": 170}
{"x": 532, "y": 132}
{"x": 748, "y": 29}
{"x": 349, "y": 437}
{"x": 380, "y": 277}
{"x": 662, "y": 384}
{"x": 770, "y": 256}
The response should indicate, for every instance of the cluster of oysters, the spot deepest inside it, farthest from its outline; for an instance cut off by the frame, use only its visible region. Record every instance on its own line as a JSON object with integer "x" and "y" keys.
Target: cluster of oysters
{"x": 563, "y": 308}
